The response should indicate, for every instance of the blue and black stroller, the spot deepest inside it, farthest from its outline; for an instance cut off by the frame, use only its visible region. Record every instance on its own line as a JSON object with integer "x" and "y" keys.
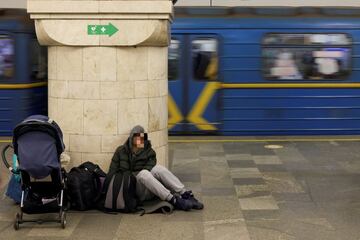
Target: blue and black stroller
{"x": 38, "y": 144}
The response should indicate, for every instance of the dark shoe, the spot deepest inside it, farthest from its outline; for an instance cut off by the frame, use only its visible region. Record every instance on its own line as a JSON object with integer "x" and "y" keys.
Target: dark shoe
{"x": 181, "y": 204}
{"x": 195, "y": 203}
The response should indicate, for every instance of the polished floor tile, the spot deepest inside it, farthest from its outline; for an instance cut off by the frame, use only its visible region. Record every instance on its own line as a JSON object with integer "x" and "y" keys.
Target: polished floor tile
{"x": 303, "y": 191}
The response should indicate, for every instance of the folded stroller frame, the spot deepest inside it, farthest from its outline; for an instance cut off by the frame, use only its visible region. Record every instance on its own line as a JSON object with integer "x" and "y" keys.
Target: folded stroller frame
{"x": 38, "y": 143}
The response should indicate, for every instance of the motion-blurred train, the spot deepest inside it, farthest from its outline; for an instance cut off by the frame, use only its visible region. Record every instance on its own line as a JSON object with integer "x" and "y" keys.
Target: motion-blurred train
{"x": 265, "y": 71}
{"x": 23, "y": 70}
{"x": 232, "y": 71}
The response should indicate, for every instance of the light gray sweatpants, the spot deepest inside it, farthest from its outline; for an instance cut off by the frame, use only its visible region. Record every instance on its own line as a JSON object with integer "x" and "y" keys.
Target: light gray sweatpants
{"x": 159, "y": 182}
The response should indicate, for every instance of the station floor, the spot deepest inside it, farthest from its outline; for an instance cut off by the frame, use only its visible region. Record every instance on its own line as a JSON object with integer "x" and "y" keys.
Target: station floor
{"x": 303, "y": 189}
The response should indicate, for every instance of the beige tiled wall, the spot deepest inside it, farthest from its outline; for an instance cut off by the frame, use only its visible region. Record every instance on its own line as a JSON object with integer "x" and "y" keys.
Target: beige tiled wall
{"x": 97, "y": 94}
{"x": 101, "y": 86}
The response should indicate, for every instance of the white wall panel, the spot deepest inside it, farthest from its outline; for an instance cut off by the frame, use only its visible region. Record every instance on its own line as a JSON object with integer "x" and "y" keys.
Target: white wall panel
{"x": 293, "y": 3}
{"x": 193, "y": 3}
{"x": 12, "y": 3}
{"x": 269, "y": 3}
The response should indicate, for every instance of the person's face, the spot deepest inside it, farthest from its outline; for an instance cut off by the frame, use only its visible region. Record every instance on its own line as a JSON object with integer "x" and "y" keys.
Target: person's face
{"x": 139, "y": 140}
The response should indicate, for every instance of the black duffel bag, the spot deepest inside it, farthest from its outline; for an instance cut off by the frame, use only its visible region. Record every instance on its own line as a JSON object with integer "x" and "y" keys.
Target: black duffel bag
{"x": 119, "y": 194}
{"x": 84, "y": 186}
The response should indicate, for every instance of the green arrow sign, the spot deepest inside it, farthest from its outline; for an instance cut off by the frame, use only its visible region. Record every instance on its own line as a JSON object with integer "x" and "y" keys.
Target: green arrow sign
{"x": 102, "y": 29}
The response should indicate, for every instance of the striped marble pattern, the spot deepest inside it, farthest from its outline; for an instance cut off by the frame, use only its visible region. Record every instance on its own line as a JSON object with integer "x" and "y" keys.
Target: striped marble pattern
{"x": 305, "y": 190}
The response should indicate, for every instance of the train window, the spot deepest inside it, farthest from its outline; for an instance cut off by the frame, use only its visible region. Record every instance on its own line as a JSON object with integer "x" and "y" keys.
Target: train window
{"x": 205, "y": 59}
{"x": 7, "y": 64}
{"x": 173, "y": 62}
{"x": 307, "y": 39}
{"x": 38, "y": 61}
{"x": 306, "y": 56}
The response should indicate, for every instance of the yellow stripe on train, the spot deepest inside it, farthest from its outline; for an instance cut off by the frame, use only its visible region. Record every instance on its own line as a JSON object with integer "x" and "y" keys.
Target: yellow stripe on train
{"x": 196, "y": 114}
{"x": 23, "y": 85}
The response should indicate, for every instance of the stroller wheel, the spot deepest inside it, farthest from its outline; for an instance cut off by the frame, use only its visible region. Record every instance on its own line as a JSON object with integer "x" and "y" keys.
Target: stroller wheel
{"x": 17, "y": 222}
{"x": 63, "y": 219}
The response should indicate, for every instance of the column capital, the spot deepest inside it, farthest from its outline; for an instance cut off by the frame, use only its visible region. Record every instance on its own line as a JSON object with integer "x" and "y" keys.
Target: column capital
{"x": 102, "y": 23}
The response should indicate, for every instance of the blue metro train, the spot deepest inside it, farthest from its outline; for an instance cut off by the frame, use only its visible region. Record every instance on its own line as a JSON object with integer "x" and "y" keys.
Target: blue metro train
{"x": 265, "y": 71}
{"x": 23, "y": 71}
{"x": 232, "y": 71}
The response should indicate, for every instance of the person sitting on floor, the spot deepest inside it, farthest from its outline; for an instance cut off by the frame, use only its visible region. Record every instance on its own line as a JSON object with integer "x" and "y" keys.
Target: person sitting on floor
{"x": 152, "y": 180}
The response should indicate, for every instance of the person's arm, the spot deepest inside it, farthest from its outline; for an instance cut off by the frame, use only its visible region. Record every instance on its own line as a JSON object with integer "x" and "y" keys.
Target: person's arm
{"x": 115, "y": 161}
{"x": 151, "y": 162}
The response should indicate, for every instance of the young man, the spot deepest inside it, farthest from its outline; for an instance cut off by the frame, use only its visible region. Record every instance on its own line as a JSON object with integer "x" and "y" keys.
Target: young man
{"x": 137, "y": 156}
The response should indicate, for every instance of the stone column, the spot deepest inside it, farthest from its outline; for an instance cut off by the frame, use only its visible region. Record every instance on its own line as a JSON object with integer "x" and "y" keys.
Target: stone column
{"x": 107, "y": 72}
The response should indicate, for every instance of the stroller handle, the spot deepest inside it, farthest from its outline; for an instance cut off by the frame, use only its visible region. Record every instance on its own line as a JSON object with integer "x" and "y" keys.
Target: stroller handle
{"x": 3, "y": 155}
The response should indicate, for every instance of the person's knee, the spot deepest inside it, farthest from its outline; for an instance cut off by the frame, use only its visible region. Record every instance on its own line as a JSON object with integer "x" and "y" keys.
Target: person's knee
{"x": 143, "y": 175}
{"x": 158, "y": 169}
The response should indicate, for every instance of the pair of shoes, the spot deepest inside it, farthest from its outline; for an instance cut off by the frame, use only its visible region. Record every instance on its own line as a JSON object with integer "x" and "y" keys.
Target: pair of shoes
{"x": 181, "y": 204}
{"x": 188, "y": 195}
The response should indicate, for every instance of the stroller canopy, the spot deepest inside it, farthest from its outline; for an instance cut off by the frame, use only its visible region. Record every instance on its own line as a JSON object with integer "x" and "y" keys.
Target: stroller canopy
{"x": 38, "y": 143}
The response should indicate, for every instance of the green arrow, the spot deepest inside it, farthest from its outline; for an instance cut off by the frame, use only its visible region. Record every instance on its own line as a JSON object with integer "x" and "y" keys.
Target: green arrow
{"x": 102, "y": 29}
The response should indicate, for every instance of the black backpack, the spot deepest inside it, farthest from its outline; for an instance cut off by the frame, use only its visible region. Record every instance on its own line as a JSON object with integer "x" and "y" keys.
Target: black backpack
{"x": 84, "y": 186}
{"x": 119, "y": 193}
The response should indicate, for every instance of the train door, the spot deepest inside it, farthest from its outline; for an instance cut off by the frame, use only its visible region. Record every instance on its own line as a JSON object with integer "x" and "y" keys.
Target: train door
{"x": 193, "y": 90}
{"x": 176, "y": 72}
